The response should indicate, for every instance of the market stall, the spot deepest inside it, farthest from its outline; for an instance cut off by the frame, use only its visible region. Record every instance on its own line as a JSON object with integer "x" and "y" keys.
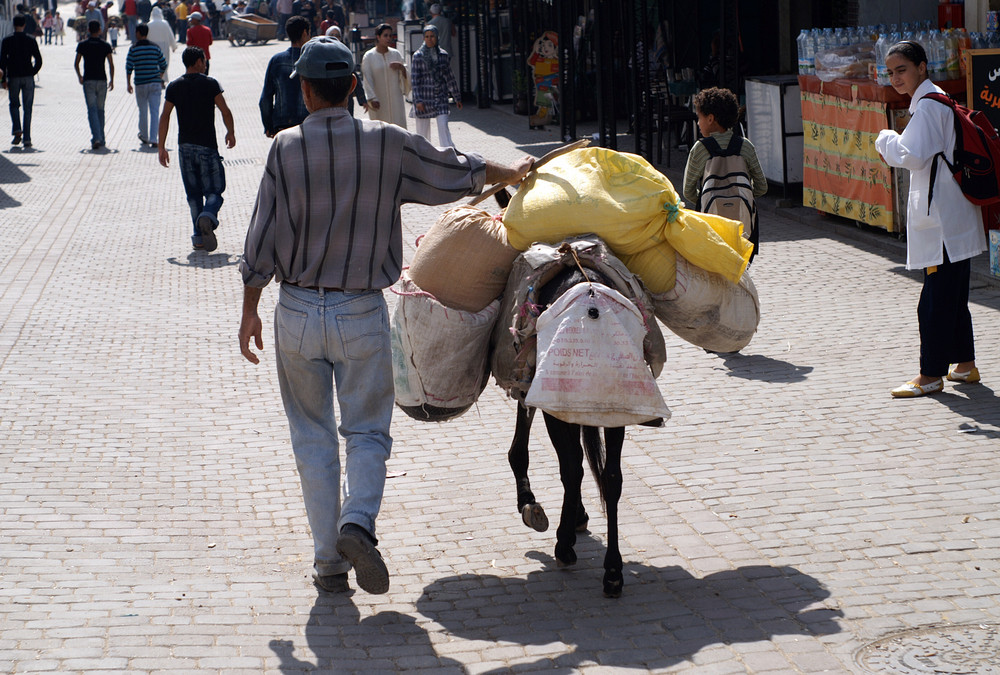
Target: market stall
{"x": 843, "y": 173}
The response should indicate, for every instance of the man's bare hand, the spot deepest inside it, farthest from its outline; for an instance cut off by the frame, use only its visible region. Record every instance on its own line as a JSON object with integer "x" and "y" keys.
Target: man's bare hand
{"x": 250, "y": 327}
{"x": 520, "y": 169}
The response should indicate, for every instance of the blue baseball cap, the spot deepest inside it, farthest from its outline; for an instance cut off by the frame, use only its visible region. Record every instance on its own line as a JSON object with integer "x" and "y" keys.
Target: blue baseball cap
{"x": 324, "y": 58}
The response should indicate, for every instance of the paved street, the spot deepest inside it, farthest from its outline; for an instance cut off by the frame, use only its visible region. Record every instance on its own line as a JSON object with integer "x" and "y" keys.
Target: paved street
{"x": 789, "y": 516}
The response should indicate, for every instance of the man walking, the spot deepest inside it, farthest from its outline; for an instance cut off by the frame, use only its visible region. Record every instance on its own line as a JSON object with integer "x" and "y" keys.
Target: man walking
{"x": 149, "y": 64}
{"x": 199, "y": 35}
{"x": 326, "y": 224}
{"x": 93, "y": 13}
{"x": 284, "y": 9}
{"x": 196, "y": 96}
{"x": 20, "y": 60}
{"x": 281, "y": 103}
{"x": 95, "y": 80}
{"x": 131, "y": 12}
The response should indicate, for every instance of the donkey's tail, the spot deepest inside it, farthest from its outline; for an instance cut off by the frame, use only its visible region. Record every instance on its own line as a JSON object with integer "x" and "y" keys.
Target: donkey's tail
{"x": 593, "y": 447}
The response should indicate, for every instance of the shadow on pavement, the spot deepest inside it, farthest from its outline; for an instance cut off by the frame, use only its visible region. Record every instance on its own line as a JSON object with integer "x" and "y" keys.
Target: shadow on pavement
{"x": 12, "y": 174}
{"x": 343, "y": 643}
{"x": 665, "y": 616}
{"x": 979, "y": 403}
{"x": 206, "y": 261}
{"x": 763, "y": 368}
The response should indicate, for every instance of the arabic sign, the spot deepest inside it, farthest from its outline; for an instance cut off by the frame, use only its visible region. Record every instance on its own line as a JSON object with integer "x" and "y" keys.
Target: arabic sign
{"x": 983, "y": 82}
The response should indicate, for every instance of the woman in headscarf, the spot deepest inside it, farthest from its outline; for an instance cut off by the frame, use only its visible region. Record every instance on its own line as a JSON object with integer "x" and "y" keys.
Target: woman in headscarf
{"x": 161, "y": 35}
{"x": 433, "y": 81}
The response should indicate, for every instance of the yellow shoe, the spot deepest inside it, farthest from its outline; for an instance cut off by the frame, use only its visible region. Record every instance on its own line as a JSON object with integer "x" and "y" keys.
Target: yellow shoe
{"x": 911, "y": 390}
{"x": 971, "y": 376}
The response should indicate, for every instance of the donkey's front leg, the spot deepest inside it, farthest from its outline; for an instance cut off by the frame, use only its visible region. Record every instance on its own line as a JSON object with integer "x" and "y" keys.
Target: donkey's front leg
{"x": 532, "y": 513}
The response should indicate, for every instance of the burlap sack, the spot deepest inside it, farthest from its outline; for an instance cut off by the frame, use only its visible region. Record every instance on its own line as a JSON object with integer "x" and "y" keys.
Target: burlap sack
{"x": 439, "y": 354}
{"x": 464, "y": 259}
{"x": 709, "y": 311}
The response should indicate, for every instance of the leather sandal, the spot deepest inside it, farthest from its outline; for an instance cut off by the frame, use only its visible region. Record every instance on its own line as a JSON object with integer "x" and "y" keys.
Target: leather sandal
{"x": 911, "y": 390}
{"x": 970, "y": 376}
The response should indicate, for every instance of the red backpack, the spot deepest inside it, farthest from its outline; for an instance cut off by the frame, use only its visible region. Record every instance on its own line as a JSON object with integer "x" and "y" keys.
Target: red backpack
{"x": 976, "y": 161}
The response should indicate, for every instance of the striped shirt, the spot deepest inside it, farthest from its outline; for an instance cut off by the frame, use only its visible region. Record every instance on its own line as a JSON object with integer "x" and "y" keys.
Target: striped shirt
{"x": 147, "y": 61}
{"x": 327, "y": 210}
{"x": 694, "y": 172}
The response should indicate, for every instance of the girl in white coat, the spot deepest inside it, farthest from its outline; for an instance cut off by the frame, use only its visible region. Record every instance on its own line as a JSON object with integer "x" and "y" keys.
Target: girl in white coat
{"x": 940, "y": 238}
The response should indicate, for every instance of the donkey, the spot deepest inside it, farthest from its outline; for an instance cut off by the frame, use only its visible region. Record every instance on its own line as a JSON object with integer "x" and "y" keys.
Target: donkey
{"x": 604, "y": 459}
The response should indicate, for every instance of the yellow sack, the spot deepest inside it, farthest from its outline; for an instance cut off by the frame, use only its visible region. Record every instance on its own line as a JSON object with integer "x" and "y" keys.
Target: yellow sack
{"x": 622, "y": 199}
{"x": 656, "y": 266}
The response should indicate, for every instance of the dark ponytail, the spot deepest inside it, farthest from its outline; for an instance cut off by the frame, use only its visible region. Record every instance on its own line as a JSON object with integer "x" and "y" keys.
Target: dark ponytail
{"x": 909, "y": 50}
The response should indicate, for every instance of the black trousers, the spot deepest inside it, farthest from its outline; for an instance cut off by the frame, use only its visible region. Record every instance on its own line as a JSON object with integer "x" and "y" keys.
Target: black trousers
{"x": 945, "y": 321}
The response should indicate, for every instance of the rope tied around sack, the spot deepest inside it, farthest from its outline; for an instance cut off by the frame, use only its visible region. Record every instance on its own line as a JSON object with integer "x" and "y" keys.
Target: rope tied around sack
{"x": 673, "y": 211}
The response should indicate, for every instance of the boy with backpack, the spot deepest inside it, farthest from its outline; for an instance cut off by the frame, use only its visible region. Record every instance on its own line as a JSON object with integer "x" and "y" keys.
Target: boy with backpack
{"x": 723, "y": 175}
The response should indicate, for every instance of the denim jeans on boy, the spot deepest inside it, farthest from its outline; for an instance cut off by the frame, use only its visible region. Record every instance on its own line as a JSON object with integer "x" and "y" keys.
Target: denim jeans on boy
{"x": 94, "y": 93}
{"x": 21, "y": 91}
{"x": 204, "y": 182}
{"x": 321, "y": 338}
{"x": 147, "y": 97}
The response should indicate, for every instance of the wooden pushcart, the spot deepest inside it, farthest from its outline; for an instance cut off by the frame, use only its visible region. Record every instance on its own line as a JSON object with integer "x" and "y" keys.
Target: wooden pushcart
{"x": 251, "y": 28}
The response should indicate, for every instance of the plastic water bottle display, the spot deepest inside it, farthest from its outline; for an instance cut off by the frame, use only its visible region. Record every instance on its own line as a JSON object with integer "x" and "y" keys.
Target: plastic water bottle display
{"x": 952, "y": 65}
{"x": 881, "y": 70}
{"x": 800, "y": 42}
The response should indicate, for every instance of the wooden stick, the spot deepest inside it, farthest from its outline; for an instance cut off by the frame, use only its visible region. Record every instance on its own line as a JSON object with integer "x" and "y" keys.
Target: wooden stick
{"x": 547, "y": 157}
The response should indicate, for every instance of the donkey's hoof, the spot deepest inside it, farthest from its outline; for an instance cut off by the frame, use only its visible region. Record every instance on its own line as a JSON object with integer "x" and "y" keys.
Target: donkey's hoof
{"x": 534, "y": 517}
{"x": 613, "y": 583}
{"x": 565, "y": 555}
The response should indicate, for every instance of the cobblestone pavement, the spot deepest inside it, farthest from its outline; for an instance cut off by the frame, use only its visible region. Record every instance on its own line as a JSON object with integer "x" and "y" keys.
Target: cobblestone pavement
{"x": 789, "y": 514}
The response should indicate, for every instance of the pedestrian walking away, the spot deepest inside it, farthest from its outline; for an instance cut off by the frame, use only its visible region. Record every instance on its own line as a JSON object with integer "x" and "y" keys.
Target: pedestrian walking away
{"x": 433, "y": 82}
{"x": 383, "y": 71}
{"x": 199, "y": 35}
{"x": 181, "y": 12}
{"x": 444, "y": 26}
{"x": 60, "y": 28}
{"x": 95, "y": 80}
{"x": 94, "y": 14}
{"x": 731, "y": 190}
{"x": 162, "y": 35}
{"x": 149, "y": 64}
{"x": 942, "y": 235}
{"x": 196, "y": 96}
{"x": 281, "y": 105}
{"x": 284, "y": 11}
{"x": 131, "y": 12}
{"x": 327, "y": 226}
{"x": 359, "y": 90}
{"x": 20, "y": 61}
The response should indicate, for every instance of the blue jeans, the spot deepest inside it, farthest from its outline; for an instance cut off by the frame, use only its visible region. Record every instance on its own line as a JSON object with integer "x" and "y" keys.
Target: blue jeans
{"x": 321, "y": 338}
{"x": 94, "y": 93}
{"x": 282, "y": 18}
{"x": 21, "y": 91}
{"x": 204, "y": 182}
{"x": 147, "y": 97}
